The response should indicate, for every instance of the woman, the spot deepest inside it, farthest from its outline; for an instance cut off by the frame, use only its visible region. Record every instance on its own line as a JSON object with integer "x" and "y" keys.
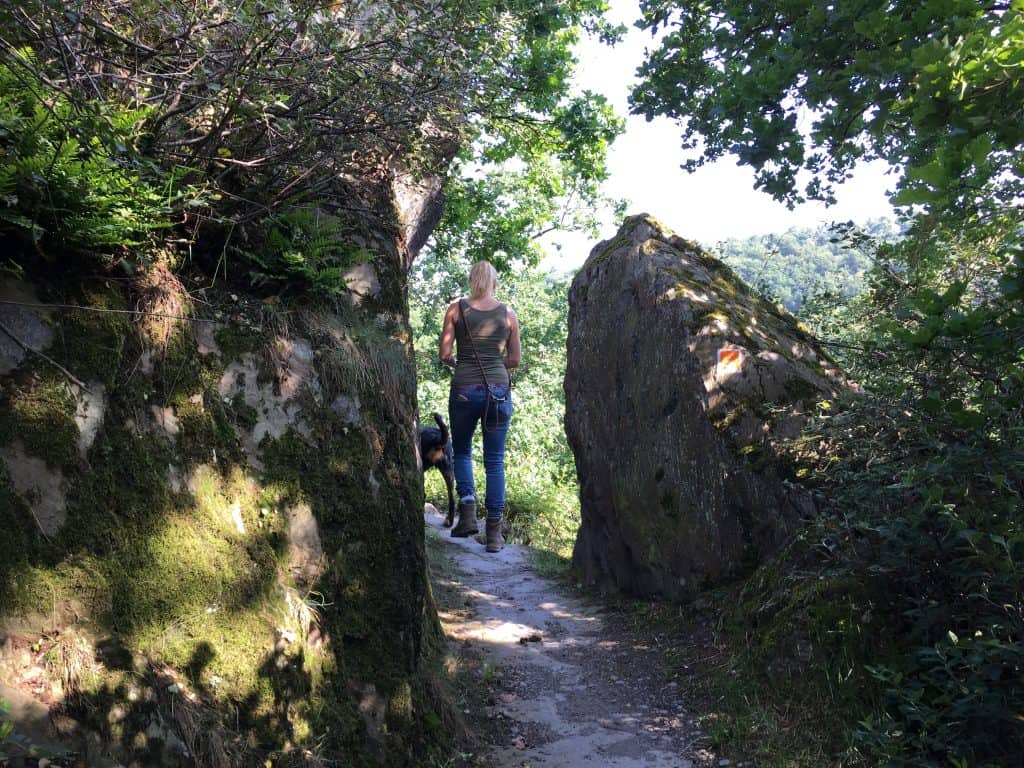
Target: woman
{"x": 486, "y": 333}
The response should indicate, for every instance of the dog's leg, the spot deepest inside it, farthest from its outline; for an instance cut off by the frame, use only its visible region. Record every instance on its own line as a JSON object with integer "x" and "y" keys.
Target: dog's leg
{"x": 449, "y": 482}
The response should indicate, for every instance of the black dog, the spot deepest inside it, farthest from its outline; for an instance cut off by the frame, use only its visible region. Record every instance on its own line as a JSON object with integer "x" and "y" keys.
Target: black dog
{"x": 436, "y": 451}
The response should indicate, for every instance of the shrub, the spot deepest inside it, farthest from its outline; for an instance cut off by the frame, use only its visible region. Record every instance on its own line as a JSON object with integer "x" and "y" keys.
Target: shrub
{"x": 925, "y": 474}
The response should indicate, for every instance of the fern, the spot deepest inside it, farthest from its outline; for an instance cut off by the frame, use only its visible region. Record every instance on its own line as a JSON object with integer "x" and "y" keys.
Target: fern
{"x": 302, "y": 250}
{"x": 71, "y": 178}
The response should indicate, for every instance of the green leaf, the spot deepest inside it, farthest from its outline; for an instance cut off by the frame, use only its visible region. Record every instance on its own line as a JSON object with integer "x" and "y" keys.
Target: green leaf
{"x": 979, "y": 149}
{"x": 914, "y": 196}
{"x": 934, "y": 174}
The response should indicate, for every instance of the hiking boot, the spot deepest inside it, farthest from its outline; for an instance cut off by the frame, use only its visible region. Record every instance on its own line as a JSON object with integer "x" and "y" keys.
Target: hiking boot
{"x": 467, "y": 524}
{"x": 495, "y": 541}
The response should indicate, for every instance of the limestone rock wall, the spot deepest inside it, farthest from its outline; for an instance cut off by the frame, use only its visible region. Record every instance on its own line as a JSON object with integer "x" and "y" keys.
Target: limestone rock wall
{"x": 679, "y": 386}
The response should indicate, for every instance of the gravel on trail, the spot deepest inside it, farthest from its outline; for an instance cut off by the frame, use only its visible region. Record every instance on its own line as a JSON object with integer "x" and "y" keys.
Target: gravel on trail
{"x": 568, "y": 687}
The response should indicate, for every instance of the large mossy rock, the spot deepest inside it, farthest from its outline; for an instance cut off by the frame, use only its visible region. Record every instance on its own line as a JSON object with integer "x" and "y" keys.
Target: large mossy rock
{"x": 213, "y": 528}
{"x": 681, "y": 388}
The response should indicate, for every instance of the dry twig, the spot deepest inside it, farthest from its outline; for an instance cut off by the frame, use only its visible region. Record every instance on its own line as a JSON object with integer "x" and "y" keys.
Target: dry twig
{"x": 44, "y": 356}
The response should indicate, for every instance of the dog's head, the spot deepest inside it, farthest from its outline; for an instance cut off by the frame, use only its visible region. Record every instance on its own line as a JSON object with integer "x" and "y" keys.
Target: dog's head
{"x": 436, "y": 445}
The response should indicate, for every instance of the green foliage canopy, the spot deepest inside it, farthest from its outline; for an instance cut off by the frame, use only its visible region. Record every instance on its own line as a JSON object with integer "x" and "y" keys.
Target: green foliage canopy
{"x": 261, "y": 108}
{"x": 535, "y": 166}
{"x": 936, "y": 87}
{"x": 926, "y": 475}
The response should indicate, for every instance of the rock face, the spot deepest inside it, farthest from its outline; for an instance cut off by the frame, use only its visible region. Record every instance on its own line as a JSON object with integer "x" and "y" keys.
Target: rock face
{"x": 225, "y": 516}
{"x": 679, "y": 386}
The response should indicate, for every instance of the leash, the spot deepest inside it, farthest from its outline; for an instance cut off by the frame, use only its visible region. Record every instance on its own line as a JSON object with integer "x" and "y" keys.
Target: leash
{"x": 483, "y": 375}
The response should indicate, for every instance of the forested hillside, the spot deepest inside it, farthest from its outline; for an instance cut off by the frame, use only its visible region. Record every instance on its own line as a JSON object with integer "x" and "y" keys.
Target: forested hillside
{"x": 791, "y": 266}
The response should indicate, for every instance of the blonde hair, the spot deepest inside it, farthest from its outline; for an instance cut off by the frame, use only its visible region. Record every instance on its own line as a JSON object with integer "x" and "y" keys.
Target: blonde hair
{"x": 483, "y": 279}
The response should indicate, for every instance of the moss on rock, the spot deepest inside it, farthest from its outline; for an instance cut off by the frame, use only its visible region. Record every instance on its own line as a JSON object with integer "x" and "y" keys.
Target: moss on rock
{"x": 39, "y": 412}
{"x": 207, "y": 432}
{"x": 22, "y": 543}
{"x": 235, "y": 340}
{"x": 92, "y": 342}
{"x": 174, "y": 555}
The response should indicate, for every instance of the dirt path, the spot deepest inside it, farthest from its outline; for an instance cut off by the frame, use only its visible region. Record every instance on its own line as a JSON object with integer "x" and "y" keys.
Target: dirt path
{"x": 567, "y": 689}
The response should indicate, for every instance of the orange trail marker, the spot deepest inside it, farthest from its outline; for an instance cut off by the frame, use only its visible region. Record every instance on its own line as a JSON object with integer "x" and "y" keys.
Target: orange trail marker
{"x": 730, "y": 359}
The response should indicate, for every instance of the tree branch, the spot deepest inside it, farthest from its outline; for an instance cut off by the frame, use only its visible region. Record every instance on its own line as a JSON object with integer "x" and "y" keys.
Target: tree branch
{"x": 44, "y": 356}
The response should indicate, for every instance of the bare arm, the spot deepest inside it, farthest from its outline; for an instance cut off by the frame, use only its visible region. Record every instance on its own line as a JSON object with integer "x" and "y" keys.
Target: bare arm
{"x": 513, "y": 350}
{"x": 444, "y": 350}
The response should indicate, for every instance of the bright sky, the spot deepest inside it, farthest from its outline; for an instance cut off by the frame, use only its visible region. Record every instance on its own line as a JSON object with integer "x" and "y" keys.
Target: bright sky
{"x": 716, "y": 202}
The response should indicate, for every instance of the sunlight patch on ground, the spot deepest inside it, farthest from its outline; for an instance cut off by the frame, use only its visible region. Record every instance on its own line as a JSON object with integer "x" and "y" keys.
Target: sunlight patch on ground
{"x": 499, "y": 632}
{"x": 558, "y": 612}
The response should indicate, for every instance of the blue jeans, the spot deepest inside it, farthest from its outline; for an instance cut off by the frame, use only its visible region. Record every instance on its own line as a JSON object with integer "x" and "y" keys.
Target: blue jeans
{"x": 466, "y": 408}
